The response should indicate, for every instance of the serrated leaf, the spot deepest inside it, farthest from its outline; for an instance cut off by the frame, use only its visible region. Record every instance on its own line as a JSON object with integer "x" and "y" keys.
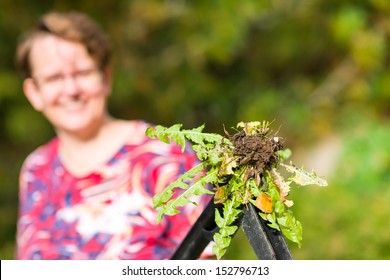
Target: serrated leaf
{"x": 227, "y": 231}
{"x": 221, "y": 244}
{"x": 226, "y": 226}
{"x": 302, "y": 177}
{"x": 167, "y": 135}
{"x": 178, "y": 135}
{"x": 167, "y": 193}
{"x": 230, "y": 214}
{"x": 279, "y": 207}
{"x": 197, "y": 136}
{"x": 253, "y": 187}
{"x": 293, "y": 232}
{"x": 170, "y": 206}
{"x": 263, "y": 216}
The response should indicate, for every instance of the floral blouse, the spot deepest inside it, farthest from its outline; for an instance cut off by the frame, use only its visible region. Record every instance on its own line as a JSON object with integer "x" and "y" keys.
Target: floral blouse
{"x": 107, "y": 214}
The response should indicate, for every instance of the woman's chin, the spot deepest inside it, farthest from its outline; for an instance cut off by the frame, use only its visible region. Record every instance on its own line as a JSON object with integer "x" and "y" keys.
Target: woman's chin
{"x": 78, "y": 129}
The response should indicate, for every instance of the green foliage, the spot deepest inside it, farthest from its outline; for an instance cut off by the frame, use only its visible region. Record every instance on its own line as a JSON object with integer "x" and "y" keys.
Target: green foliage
{"x": 303, "y": 177}
{"x": 306, "y": 65}
{"x": 226, "y": 226}
{"x": 174, "y": 133}
{"x": 363, "y": 167}
{"x": 236, "y": 179}
{"x": 169, "y": 207}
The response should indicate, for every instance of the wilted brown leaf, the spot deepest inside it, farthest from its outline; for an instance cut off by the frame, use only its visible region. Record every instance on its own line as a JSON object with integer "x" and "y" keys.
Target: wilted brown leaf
{"x": 264, "y": 203}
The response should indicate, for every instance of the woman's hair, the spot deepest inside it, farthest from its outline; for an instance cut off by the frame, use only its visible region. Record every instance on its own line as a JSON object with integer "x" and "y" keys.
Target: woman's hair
{"x": 73, "y": 26}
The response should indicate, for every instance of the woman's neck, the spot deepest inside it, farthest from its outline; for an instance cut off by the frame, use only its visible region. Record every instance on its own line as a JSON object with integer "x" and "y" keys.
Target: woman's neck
{"x": 85, "y": 136}
{"x": 82, "y": 155}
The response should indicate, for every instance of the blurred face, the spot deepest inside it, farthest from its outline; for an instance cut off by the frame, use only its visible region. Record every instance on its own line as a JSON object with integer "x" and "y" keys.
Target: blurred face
{"x": 66, "y": 85}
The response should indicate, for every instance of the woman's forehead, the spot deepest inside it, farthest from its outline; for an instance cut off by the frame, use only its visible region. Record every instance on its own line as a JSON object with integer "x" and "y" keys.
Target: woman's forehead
{"x": 50, "y": 52}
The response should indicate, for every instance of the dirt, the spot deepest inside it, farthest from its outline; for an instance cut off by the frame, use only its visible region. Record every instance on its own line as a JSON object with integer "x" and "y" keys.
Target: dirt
{"x": 257, "y": 152}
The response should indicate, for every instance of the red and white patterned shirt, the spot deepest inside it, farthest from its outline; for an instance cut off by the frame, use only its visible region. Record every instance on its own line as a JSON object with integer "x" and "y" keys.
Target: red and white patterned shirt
{"x": 107, "y": 214}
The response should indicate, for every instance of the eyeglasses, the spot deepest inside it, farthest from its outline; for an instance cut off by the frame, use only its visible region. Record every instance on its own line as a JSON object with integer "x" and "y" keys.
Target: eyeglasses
{"x": 82, "y": 78}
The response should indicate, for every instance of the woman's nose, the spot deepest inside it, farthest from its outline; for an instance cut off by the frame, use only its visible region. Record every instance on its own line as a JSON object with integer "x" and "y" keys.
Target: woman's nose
{"x": 69, "y": 85}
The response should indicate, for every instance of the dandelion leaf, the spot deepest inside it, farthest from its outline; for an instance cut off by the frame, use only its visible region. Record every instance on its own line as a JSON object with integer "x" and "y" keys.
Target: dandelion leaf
{"x": 226, "y": 226}
{"x": 178, "y": 135}
{"x": 302, "y": 177}
{"x": 169, "y": 206}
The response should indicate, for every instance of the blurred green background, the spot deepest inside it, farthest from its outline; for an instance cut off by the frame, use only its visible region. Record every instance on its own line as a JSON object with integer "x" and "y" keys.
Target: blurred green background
{"x": 318, "y": 69}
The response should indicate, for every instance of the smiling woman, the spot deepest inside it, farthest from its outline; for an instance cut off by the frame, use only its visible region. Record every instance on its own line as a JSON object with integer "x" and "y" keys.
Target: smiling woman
{"x": 87, "y": 194}
{"x": 66, "y": 85}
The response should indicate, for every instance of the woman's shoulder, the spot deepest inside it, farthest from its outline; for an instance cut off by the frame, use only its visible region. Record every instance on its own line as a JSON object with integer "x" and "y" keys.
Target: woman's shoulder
{"x": 42, "y": 156}
{"x": 135, "y": 132}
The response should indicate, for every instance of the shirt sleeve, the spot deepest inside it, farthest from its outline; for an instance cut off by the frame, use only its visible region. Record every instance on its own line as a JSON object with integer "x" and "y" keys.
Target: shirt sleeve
{"x": 32, "y": 193}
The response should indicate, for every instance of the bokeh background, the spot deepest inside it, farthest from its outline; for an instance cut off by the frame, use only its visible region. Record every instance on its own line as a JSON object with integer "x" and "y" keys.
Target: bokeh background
{"x": 318, "y": 69}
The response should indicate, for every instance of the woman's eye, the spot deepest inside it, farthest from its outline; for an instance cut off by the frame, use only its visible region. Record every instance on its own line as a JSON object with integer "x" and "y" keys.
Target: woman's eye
{"x": 54, "y": 78}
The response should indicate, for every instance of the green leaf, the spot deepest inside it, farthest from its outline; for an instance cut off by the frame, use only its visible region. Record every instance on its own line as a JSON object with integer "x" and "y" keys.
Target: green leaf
{"x": 226, "y": 229}
{"x": 284, "y": 154}
{"x": 274, "y": 225}
{"x": 167, "y": 135}
{"x": 230, "y": 214}
{"x": 254, "y": 189}
{"x": 221, "y": 244}
{"x": 170, "y": 206}
{"x": 302, "y": 177}
{"x": 293, "y": 233}
{"x": 174, "y": 133}
{"x": 291, "y": 227}
{"x": 166, "y": 194}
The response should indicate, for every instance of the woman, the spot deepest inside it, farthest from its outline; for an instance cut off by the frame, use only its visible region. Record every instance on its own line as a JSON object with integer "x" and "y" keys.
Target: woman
{"x": 87, "y": 193}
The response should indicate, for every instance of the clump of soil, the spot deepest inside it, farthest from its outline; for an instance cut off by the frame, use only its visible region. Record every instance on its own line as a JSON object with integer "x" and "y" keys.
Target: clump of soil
{"x": 257, "y": 151}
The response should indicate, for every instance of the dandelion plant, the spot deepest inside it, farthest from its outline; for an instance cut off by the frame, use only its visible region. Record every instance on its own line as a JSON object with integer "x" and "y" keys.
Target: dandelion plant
{"x": 242, "y": 168}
